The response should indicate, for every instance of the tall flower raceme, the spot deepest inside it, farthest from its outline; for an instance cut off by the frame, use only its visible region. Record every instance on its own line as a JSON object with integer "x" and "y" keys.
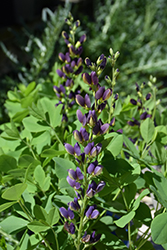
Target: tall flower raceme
{"x": 87, "y": 153}
{"x": 72, "y": 67}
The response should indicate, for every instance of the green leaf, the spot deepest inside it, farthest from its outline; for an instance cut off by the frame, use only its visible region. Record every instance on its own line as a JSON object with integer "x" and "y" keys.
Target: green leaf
{"x": 143, "y": 214}
{"x": 40, "y": 213}
{"x": 32, "y": 124}
{"x": 115, "y": 146}
{"x": 19, "y": 116}
{"x": 125, "y": 219}
{"x": 41, "y": 141}
{"x": 10, "y": 132}
{"x": 52, "y": 153}
{"x": 61, "y": 167}
{"x": 37, "y": 226}
{"x": 53, "y": 216}
{"x": 54, "y": 112}
{"x": 39, "y": 175}
{"x": 161, "y": 184}
{"x": 159, "y": 229}
{"x": 139, "y": 198}
{"x": 29, "y": 88}
{"x": 14, "y": 192}
{"x": 7, "y": 163}
{"x": 147, "y": 130}
{"x": 12, "y": 224}
{"x": 6, "y": 205}
{"x": 131, "y": 146}
{"x": 37, "y": 112}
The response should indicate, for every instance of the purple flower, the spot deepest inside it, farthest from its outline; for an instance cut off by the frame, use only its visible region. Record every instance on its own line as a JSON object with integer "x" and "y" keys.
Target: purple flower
{"x": 94, "y": 238}
{"x": 92, "y": 118}
{"x": 87, "y": 78}
{"x": 148, "y": 96}
{"x": 82, "y": 38}
{"x": 94, "y": 78}
{"x": 62, "y": 57}
{"x": 94, "y": 168}
{"x": 68, "y": 214}
{"x": 74, "y": 205}
{"x": 81, "y": 117}
{"x": 94, "y": 188}
{"x": 76, "y": 185}
{"x": 70, "y": 228}
{"x": 99, "y": 93}
{"x": 92, "y": 213}
{"x": 133, "y": 101}
{"x": 60, "y": 73}
{"x": 69, "y": 148}
{"x": 80, "y": 100}
{"x": 107, "y": 94}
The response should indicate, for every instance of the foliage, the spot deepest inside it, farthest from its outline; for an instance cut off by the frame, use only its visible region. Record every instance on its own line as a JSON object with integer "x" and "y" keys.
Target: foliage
{"x": 73, "y": 176}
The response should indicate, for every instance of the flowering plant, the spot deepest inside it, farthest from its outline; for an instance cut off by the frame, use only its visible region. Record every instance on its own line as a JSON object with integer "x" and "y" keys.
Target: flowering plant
{"x": 75, "y": 167}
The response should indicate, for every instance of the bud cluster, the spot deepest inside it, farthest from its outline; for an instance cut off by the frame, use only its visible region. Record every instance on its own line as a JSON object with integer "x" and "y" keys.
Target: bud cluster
{"x": 71, "y": 68}
{"x": 140, "y": 103}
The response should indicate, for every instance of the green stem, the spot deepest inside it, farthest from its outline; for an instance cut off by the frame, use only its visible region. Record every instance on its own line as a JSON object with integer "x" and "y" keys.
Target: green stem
{"x": 29, "y": 146}
{"x": 81, "y": 222}
{"x": 25, "y": 210}
{"x": 9, "y": 237}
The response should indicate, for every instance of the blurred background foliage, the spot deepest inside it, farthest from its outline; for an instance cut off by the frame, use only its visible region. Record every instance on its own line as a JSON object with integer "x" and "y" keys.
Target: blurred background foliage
{"x": 138, "y": 29}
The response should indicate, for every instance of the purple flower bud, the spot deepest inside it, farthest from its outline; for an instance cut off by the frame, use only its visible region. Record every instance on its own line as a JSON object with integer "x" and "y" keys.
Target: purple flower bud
{"x": 143, "y": 116}
{"x": 79, "y": 70}
{"x": 62, "y": 89}
{"x": 148, "y": 96}
{"x": 69, "y": 228}
{"x": 112, "y": 123}
{"x": 92, "y": 118}
{"x": 81, "y": 117}
{"x": 77, "y": 23}
{"x": 87, "y": 101}
{"x": 100, "y": 186}
{"x": 67, "y": 57}
{"x": 62, "y": 57}
{"x": 77, "y": 149}
{"x": 79, "y": 174}
{"x": 60, "y": 73}
{"x": 65, "y": 35}
{"x": 77, "y": 136}
{"x": 72, "y": 174}
{"x": 87, "y": 78}
{"x": 84, "y": 134}
{"x": 91, "y": 167}
{"x": 99, "y": 93}
{"x": 69, "y": 148}
{"x": 79, "y": 61}
{"x": 116, "y": 96}
{"x": 64, "y": 212}
{"x": 98, "y": 170}
{"x": 137, "y": 87}
{"x": 107, "y": 94}
{"x": 89, "y": 211}
{"x": 88, "y": 147}
{"x": 80, "y": 100}
{"x": 94, "y": 238}
{"x": 64, "y": 118}
{"x": 95, "y": 214}
{"x": 103, "y": 63}
{"x": 73, "y": 183}
{"x": 94, "y": 78}
{"x": 86, "y": 237}
{"x": 74, "y": 205}
{"x": 88, "y": 62}
{"x": 133, "y": 101}
{"x": 79, "y": 51}
{"x": 69, "y": 83}
{"x": 82, "y": 38}
{"x": 104, "y": 128}
{"x": 96, "y": 150}
{"x": 68, "y": 214}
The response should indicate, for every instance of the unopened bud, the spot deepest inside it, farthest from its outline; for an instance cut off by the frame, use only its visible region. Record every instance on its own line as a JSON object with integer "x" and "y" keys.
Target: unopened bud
{"x": 111, "y": 52}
